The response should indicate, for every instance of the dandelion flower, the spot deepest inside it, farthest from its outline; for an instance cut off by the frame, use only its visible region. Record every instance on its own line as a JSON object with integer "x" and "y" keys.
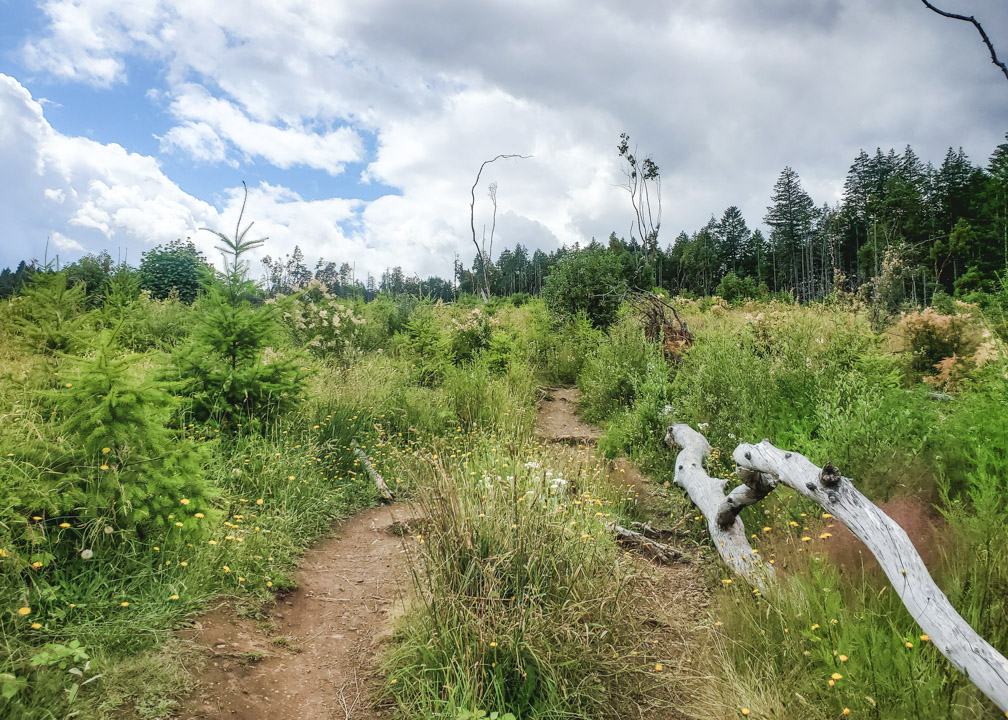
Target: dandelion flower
{"x": 227, "y": 569}
{"x": 64, "y": 525}
{"x": 825, "y": 535}
{"x": 837, "y": 676}
{"x": 806, "y": 539}
{"x": 843, "y": 658}
{"x": 745, "y": 711}
{"x": 24, "y": 610}
{"x": 493, "y": 644}
{"x": 846, "y": 711}
{"x": 174, "y": 597}
{"x": 36, "y": 625}
{"x": 925, "y": 638}
{"x": 909, "y": 644}
{"x": 124, "y": 604}
{"x": 184, "y": 501}
{"x": 87, "y": 554}
{"x": 103, "y": 467}
{"x": 198, "y": 516}
{"x": 106, "y": 450}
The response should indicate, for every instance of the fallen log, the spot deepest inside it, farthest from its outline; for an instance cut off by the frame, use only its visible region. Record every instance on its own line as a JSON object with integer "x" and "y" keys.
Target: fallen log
{"x": 647, "y": 545}
{"x": 375, "y": 476}
{"x": 707, "y": 493}
{"x": 760, "y": 468}
{"x": 887, "y": 541}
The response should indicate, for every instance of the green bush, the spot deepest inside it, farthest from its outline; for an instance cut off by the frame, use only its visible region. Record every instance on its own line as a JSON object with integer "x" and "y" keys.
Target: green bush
{"x": 424, "y": 347}
{"x": 612, "y": 376}
{"x": 178, "y": 266}
{"x": 558, "y": 351}
{"x": 588, "y": 281}
{"x": 469, "y": 335}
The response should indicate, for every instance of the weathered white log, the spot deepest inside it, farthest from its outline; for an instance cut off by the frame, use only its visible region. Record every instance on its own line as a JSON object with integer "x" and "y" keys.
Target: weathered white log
{"x": 887, "y": 541}
{"x": 707, "y": 493}
{"x": 375, "y": 476}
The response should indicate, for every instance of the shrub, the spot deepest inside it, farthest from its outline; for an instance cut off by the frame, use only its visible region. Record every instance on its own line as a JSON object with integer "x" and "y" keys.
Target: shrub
{"x": 931, "y": 336}
{"x": 469, "y": 335}
{"x": 735, "y": 289}
{"x": 558, "y": 352}
{"x": 424, "y": 347}
{"x": 323, "y": 324}
{"x": 178, "y": 265}
{"x": 588, "y": 281}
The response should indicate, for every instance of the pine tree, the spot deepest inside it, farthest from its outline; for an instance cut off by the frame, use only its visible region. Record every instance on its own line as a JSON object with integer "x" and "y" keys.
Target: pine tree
{"x": 229, "y": 377}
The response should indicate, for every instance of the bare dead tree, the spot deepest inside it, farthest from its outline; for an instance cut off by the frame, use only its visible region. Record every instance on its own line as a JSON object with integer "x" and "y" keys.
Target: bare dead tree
{"x": 643, "y": 180}
{"x": 483, "y": 258}
{"x": 978, "y": 26}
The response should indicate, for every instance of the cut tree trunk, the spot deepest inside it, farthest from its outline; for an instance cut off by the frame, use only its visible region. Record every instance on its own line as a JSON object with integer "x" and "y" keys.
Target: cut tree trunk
{"x": 761, "y": 467}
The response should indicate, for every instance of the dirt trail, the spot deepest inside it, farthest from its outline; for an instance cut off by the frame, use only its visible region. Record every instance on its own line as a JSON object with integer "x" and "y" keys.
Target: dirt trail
{"x": 557, "y": 422}
{"x": 314, "y": 659}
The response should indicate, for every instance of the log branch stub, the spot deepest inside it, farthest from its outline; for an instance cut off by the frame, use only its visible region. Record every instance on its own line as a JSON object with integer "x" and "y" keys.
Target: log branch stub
{"x": 889, "y": 543}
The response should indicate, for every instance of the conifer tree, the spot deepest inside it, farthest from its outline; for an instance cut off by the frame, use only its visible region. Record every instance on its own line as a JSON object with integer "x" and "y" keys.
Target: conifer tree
{"x": 230, "y": 378}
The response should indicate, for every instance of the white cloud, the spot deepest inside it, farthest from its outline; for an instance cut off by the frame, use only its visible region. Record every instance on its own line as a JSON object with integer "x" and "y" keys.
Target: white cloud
{"x": 723, "y": 94}
{"x": 210, "y": 123}
{"x": 62, "y": 242}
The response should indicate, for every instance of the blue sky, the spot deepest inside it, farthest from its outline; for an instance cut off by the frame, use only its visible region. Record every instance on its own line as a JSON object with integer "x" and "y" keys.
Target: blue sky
{"x": 359, "y": 127}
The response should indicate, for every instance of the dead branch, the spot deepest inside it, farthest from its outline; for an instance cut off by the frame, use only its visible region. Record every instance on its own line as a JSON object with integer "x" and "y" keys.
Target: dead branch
{"x": 707, "y": 493}
{"x": 978, "y": 26}
{"x": 375, "y": 476}
{"x": 660, "y": 552}
{"x": 472, "y": 217}
{"x": 898, "y": 558}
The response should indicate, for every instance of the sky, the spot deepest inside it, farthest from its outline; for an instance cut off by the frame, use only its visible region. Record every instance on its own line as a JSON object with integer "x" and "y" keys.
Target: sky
{"x": 359, "y": 127}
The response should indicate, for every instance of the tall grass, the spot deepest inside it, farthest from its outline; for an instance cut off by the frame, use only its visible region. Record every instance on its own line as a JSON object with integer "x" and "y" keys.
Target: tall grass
{"x": 523, "y": 605}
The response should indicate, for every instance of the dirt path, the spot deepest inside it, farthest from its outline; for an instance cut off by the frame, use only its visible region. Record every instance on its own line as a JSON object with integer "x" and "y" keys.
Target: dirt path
{"x": 314, "y": 658}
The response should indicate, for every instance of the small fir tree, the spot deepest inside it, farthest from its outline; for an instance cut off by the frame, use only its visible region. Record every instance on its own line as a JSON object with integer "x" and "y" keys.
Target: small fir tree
{"x": 231, "y": 377}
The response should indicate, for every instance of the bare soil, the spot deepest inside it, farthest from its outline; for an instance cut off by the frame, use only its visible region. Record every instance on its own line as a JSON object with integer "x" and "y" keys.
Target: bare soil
{"x": 315, "y": 657}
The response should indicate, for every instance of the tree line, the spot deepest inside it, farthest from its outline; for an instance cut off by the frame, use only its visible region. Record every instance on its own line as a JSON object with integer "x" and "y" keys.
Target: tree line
{"x": 916, "y": 228}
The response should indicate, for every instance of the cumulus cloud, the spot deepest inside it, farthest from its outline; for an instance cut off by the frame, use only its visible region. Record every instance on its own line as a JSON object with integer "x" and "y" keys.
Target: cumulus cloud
{"x": 210, "y": 124}
{"x": 723, "y": 94}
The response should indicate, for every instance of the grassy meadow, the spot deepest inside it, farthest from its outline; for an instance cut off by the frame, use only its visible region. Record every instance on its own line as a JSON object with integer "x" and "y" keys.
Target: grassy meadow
{"x": 153, "y": 462}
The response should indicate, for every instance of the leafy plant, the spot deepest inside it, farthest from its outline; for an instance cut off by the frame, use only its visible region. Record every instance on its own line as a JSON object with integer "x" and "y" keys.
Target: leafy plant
{"x": 178, "y": 267}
